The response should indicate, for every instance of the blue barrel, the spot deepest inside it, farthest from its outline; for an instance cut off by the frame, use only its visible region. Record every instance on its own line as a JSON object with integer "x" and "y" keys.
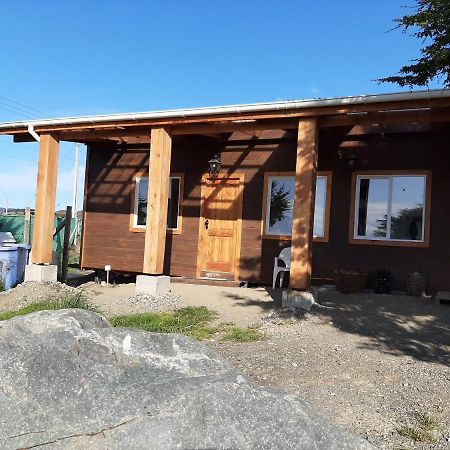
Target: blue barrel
{"x": 22, "y": 259}
{"x": 8, "y": 266}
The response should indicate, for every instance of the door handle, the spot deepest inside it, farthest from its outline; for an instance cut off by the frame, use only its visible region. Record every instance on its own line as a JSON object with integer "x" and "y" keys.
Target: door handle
{"x": 206, "y": 224}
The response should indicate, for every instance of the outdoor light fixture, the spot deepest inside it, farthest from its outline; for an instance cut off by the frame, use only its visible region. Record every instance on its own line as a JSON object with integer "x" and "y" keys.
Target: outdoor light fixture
{"x": 350, "y": 158}
{"x": 214, "y": 165}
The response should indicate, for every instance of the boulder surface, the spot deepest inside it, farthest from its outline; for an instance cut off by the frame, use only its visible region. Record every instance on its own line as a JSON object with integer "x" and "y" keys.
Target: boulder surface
{"x": 69, "y": 380}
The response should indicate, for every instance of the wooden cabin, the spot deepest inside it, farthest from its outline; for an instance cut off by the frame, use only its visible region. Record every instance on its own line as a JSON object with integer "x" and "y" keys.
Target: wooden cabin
{"x": 348, "y": 183}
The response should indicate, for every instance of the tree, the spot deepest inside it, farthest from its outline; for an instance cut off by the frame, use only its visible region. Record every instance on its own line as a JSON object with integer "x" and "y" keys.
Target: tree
{"x": 279, "y": 203}
{"x": 406, "y": 224}
{"x": 431, "y": 22}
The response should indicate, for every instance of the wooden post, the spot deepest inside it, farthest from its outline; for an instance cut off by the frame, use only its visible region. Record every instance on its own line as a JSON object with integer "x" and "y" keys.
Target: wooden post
{"x": 157, "y": 201}
{"x": 45, "y": 200}
{"x": 27, "y": 226}
{"x": 65, "y": 255}
{"x": 303, "y": 215}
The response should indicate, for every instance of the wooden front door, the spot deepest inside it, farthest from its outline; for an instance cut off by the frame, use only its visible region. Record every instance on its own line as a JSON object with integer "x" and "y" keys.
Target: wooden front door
{"x": 219, "y": 243}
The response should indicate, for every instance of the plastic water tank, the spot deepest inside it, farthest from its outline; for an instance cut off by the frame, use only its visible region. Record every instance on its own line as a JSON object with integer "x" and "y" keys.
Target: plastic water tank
{"x": 22, "y": 259}
{"x": 8, "y": 266}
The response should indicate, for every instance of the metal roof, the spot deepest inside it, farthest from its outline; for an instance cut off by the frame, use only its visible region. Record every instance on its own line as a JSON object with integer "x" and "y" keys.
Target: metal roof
{"x": 233, "y": 109}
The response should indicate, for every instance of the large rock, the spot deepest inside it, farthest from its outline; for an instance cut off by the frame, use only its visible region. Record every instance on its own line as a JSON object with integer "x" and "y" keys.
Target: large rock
{"x": 69, "y": 380}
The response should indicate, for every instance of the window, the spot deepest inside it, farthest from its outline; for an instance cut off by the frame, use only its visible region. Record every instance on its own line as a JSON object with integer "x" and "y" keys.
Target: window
{"x": 391, "y": 208}
{"x": 139, "y": 214}
{"x": 279, "y": 205}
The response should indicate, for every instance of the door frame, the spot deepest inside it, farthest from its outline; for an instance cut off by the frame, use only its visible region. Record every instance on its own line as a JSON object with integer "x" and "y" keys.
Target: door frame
{"x": 240, "y": 199}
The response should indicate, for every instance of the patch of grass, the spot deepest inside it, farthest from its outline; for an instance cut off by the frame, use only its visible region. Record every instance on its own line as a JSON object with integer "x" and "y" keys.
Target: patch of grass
{"x": 67, "y": 301}
{"x": 423, "y": 431}
{"x": 191, "y": 321}
{"x": 74, "y": 258}
{"x": 416, "y": 434}
{"x": 242, "y": 335}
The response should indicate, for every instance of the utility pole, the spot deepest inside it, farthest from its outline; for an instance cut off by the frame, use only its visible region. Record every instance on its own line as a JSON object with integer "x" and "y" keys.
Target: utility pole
{"x": 75, "y": 191}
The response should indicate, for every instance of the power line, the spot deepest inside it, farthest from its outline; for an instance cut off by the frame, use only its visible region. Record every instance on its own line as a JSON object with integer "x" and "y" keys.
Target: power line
{"x": 25, "y": 106}
{"x": 15, "y": 109}
{"x": 15, "y": 112}
{"x": 29, "y": 148}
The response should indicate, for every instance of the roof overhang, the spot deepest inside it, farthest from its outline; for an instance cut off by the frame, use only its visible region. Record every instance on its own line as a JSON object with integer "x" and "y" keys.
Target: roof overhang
{"x": 430, "y": 105}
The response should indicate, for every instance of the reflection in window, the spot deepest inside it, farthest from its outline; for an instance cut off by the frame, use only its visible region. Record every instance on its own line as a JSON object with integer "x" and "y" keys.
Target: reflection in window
{"x": 173, "y": 206}
{"x": 320, "y": 207}
{"x": 174, "y": 203}
{"x": 280, "y": 205}
{"x": 390, "y": 208}
{"x": 373, "y": 206}
{"x": 142, "y": 192}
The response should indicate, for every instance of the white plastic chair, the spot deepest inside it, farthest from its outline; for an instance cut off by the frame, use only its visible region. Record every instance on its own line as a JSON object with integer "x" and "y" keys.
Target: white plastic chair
{"x": 278, "y": 268}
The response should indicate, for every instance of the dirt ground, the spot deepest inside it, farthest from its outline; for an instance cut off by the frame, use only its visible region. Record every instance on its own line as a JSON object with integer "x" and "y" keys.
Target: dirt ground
{"x": 367, "y": 361}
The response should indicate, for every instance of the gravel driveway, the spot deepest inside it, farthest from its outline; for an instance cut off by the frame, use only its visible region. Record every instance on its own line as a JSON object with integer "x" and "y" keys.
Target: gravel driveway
{"x": 368, "y": 361}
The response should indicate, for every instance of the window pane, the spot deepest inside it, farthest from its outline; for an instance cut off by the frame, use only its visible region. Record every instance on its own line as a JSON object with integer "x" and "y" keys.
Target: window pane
{"x": 174, "y": 198}
{"x": 408, "y": 195}
{"x": 319, "y": 209}
{"x": 281, "y": 201}
{"x": 373, "y": 207}
{"x": 142, "y": 191}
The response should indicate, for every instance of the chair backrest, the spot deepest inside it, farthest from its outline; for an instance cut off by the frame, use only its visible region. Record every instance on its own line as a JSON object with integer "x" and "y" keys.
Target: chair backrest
{"x": 285, "y": 255}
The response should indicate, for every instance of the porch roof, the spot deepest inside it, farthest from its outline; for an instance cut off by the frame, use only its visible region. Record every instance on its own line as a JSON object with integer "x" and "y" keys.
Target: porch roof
{"x": 407, "y": 107}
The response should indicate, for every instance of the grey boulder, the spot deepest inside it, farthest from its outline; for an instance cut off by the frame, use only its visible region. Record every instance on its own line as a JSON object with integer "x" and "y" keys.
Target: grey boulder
{"x": 68, "y": 380}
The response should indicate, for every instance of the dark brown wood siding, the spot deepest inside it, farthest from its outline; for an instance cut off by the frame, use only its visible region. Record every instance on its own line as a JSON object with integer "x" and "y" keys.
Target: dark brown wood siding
{"x": 107, "y": 239}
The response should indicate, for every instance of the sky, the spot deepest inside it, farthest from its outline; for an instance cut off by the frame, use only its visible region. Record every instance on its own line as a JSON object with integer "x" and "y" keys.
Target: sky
{"x": 98, "y": 57}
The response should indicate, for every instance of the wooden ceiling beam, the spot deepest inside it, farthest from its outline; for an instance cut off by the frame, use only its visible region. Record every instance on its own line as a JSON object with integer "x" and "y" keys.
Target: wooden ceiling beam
{"x": 388, "y": 117}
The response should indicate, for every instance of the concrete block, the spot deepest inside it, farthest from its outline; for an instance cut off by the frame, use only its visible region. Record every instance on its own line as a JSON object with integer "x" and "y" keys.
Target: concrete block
{"x": 297, "y": 299}
{"x": 152, "y": 284}
{"x": 38, "y": 272}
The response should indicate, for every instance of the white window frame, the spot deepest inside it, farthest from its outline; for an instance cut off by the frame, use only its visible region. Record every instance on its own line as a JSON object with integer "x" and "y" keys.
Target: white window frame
{"x": 390, "y": 178}
{"x": 137, "y": 181}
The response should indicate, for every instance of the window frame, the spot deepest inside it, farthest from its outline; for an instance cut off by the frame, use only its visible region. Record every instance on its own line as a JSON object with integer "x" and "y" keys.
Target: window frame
{"x": 134, "y": 227}
{"x": 389, "y": 174}
{"x": 265, "y": 209}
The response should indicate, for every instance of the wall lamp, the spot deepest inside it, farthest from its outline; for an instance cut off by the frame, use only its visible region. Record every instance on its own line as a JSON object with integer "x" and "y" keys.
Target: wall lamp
{"x": 215, "y": 164}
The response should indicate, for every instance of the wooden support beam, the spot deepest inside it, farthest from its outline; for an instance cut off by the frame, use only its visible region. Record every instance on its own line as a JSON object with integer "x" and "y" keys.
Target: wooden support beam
{"x": 303, "y": 215}
{"x": 45, "y": 200}
{"x": 157, "y": 201}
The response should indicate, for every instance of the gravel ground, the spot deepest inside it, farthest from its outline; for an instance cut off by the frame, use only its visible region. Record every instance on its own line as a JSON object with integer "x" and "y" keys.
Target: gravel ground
{"x": 367, "y": 363}
{"x": 108, "y": 300}
{"x": 31, "y": 292}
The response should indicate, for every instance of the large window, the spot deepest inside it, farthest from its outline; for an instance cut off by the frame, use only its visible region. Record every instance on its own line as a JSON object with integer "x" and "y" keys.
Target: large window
{"x": 279, "y": 205}
{"x": 391, "y": 208}
{"x": 139, "y": 216}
